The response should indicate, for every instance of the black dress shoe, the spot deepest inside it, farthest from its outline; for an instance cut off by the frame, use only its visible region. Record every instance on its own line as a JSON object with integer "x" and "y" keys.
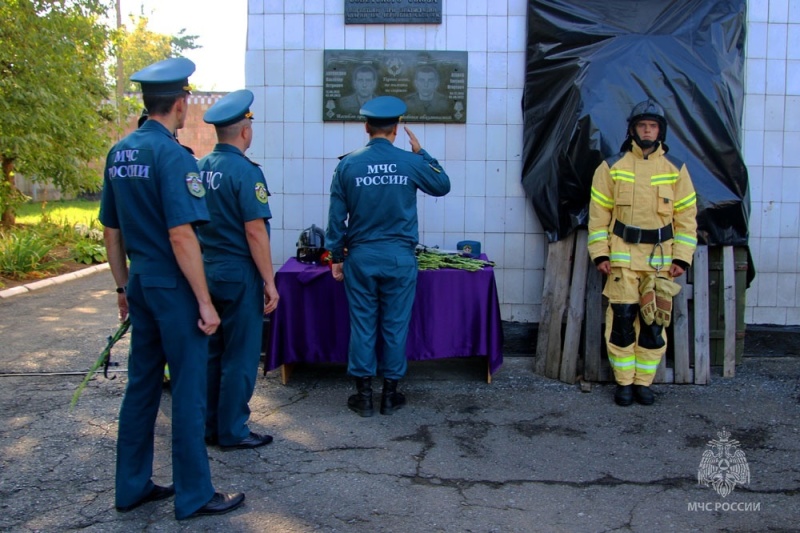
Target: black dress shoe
{"x": 644, "y": 395}
{"x": 158, "y": 493}
{"x": 220, "y": 504}
{"x": 254, "y": 440}
{"x": 624, "y": 395}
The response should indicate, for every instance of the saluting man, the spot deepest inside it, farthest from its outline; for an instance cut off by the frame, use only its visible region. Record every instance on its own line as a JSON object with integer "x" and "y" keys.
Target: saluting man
{"x": 152, "y": 200}
{"x": 373, "y": 215}
{"x": 238, "y": 261}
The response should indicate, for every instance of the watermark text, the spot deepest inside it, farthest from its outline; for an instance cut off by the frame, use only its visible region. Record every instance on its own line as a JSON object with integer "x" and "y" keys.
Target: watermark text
{"x": 743, "y": 507}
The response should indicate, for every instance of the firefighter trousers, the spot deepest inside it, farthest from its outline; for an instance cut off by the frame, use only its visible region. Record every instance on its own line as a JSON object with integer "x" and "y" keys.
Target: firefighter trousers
{"x": 634, "y": 348}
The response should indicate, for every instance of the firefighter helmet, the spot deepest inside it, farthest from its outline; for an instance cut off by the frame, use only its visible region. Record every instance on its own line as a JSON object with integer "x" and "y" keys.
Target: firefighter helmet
{"x": 648, "y": 110}
{"x": 311, "y": 245}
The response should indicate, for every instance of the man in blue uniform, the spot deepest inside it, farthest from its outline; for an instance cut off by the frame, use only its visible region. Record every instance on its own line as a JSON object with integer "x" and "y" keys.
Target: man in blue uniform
{"x": 373, "y": 215}
{"x": 152, "y": 199}
{"x": 238, "y": 263}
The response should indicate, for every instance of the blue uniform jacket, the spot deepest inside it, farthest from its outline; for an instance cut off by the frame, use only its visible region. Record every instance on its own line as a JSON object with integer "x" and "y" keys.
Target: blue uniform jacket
{"x": 149, "y": 187}
{"x": 236, "y": 193}
{"x": 376, "y": 186}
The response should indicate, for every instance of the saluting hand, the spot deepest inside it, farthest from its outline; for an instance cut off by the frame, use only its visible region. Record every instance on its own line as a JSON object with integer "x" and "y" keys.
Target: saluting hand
{"x": 415, "y": 146}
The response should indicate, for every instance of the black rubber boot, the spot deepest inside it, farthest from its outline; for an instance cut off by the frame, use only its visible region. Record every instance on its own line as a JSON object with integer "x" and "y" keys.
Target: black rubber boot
{"x": 361, "y": 402}
{"x": 644, "y": 395}
{"x": 391, "y": 400}
{"x": 624, "y": 395}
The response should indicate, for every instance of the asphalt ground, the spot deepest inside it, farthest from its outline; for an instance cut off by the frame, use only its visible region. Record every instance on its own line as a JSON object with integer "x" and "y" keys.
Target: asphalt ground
{"x": 521, "y": 454}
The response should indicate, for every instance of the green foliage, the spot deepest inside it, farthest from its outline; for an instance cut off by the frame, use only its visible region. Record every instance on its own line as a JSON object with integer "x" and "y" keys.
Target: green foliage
{"x": 56, "y": 118}
{"x": 182, "y": 42}
{"x": 22, "y": 252}
{"x": 50, "y": 228}
{"x": 53, "y": 91}
{"x": 88, "y": 252}
{"x": 139, "y": 47}
{"x": 89, "y": 247}
{"x": 55, "y": 232}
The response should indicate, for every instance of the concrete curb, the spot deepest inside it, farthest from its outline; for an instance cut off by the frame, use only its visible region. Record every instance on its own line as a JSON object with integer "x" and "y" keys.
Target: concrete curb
{"x": 22, "y": 289}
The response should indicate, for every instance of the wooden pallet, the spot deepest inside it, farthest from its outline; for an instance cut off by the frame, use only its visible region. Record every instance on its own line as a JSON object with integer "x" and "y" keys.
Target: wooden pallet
{"x": 573, "y": 315}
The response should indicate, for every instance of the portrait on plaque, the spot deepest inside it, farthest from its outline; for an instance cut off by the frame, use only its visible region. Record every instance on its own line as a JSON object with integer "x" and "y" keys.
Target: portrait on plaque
{"x": 432, "y": 83}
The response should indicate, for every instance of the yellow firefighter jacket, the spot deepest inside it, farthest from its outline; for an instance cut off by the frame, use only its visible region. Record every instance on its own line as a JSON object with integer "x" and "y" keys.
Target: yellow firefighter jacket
{"x": 648, "y": 193}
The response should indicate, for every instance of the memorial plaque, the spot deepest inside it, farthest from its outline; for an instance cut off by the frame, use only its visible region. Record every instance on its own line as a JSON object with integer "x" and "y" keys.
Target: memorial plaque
{"x": 393, "y": 11}
{"x": 432, "y": 83}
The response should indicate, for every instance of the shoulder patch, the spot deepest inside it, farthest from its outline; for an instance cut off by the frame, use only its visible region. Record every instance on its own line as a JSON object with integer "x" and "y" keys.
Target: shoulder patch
{"x": 262, "y": 195}
{"x": 195, "y": 185}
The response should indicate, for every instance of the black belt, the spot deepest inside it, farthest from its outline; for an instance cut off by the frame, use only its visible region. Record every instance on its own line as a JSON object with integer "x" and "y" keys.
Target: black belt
{"x": 636, "y": 235}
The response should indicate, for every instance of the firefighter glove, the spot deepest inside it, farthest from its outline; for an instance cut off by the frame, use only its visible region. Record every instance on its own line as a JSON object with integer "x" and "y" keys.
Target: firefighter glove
{"x": 647, "y": 299}
{"x": 665, "y": 290}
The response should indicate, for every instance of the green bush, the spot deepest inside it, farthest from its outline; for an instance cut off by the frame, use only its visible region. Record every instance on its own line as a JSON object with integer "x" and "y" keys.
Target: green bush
{"x": 22, "y": 252}
{"x": 87, "y": 251}
{"x": 48, "y": 234}
{"x": 55, "y": 233}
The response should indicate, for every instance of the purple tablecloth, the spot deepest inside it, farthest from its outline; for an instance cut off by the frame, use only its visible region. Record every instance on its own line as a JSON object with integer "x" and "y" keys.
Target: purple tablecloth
{"x": 456, "y": 314}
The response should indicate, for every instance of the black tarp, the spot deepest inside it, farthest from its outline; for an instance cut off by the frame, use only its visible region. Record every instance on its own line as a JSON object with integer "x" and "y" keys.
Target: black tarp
{"x": 589, "y": 62}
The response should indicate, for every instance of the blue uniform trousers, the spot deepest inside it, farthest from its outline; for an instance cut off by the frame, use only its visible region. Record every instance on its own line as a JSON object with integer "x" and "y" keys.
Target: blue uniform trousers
{"x": 235, "y": 349}
{"x": 164, "y": 315}
{"x": 380, "y": 284}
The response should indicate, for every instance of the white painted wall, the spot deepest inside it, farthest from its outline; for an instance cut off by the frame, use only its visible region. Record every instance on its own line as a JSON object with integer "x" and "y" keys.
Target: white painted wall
{"x": 285, "y": 44}
{"x": 772, "y": 154}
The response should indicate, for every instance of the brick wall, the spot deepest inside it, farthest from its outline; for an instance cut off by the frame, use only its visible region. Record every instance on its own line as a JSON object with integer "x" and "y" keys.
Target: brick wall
{"x": 195, "y": 134}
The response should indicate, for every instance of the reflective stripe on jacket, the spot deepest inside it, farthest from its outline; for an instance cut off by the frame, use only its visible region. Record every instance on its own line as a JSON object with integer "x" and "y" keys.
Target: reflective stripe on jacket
{"x": 649, "y": 193}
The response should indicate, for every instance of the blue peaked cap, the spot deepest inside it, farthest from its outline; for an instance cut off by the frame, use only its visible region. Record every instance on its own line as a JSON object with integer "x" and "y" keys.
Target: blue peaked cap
{"x": 167, "y": 77}
{"x": 230, "y": 109}
{"x": 384, "y": 110}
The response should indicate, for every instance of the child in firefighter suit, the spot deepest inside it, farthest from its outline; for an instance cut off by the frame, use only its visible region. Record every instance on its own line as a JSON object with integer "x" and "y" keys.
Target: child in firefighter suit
{"x": 642, "y": 234}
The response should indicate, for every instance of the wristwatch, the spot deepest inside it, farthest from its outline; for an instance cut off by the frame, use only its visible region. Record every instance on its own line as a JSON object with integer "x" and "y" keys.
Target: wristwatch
{"x": 120, "y": 290}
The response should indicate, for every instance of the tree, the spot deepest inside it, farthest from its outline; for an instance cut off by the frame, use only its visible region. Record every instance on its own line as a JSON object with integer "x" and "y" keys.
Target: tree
{"x": 140, "y": 47}
{"x": 53, "y": 94}
{"x": 56, "y": 110}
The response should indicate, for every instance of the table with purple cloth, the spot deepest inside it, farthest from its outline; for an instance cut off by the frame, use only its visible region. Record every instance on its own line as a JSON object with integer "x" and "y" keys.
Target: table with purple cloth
{"x": 456, "y": 314}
